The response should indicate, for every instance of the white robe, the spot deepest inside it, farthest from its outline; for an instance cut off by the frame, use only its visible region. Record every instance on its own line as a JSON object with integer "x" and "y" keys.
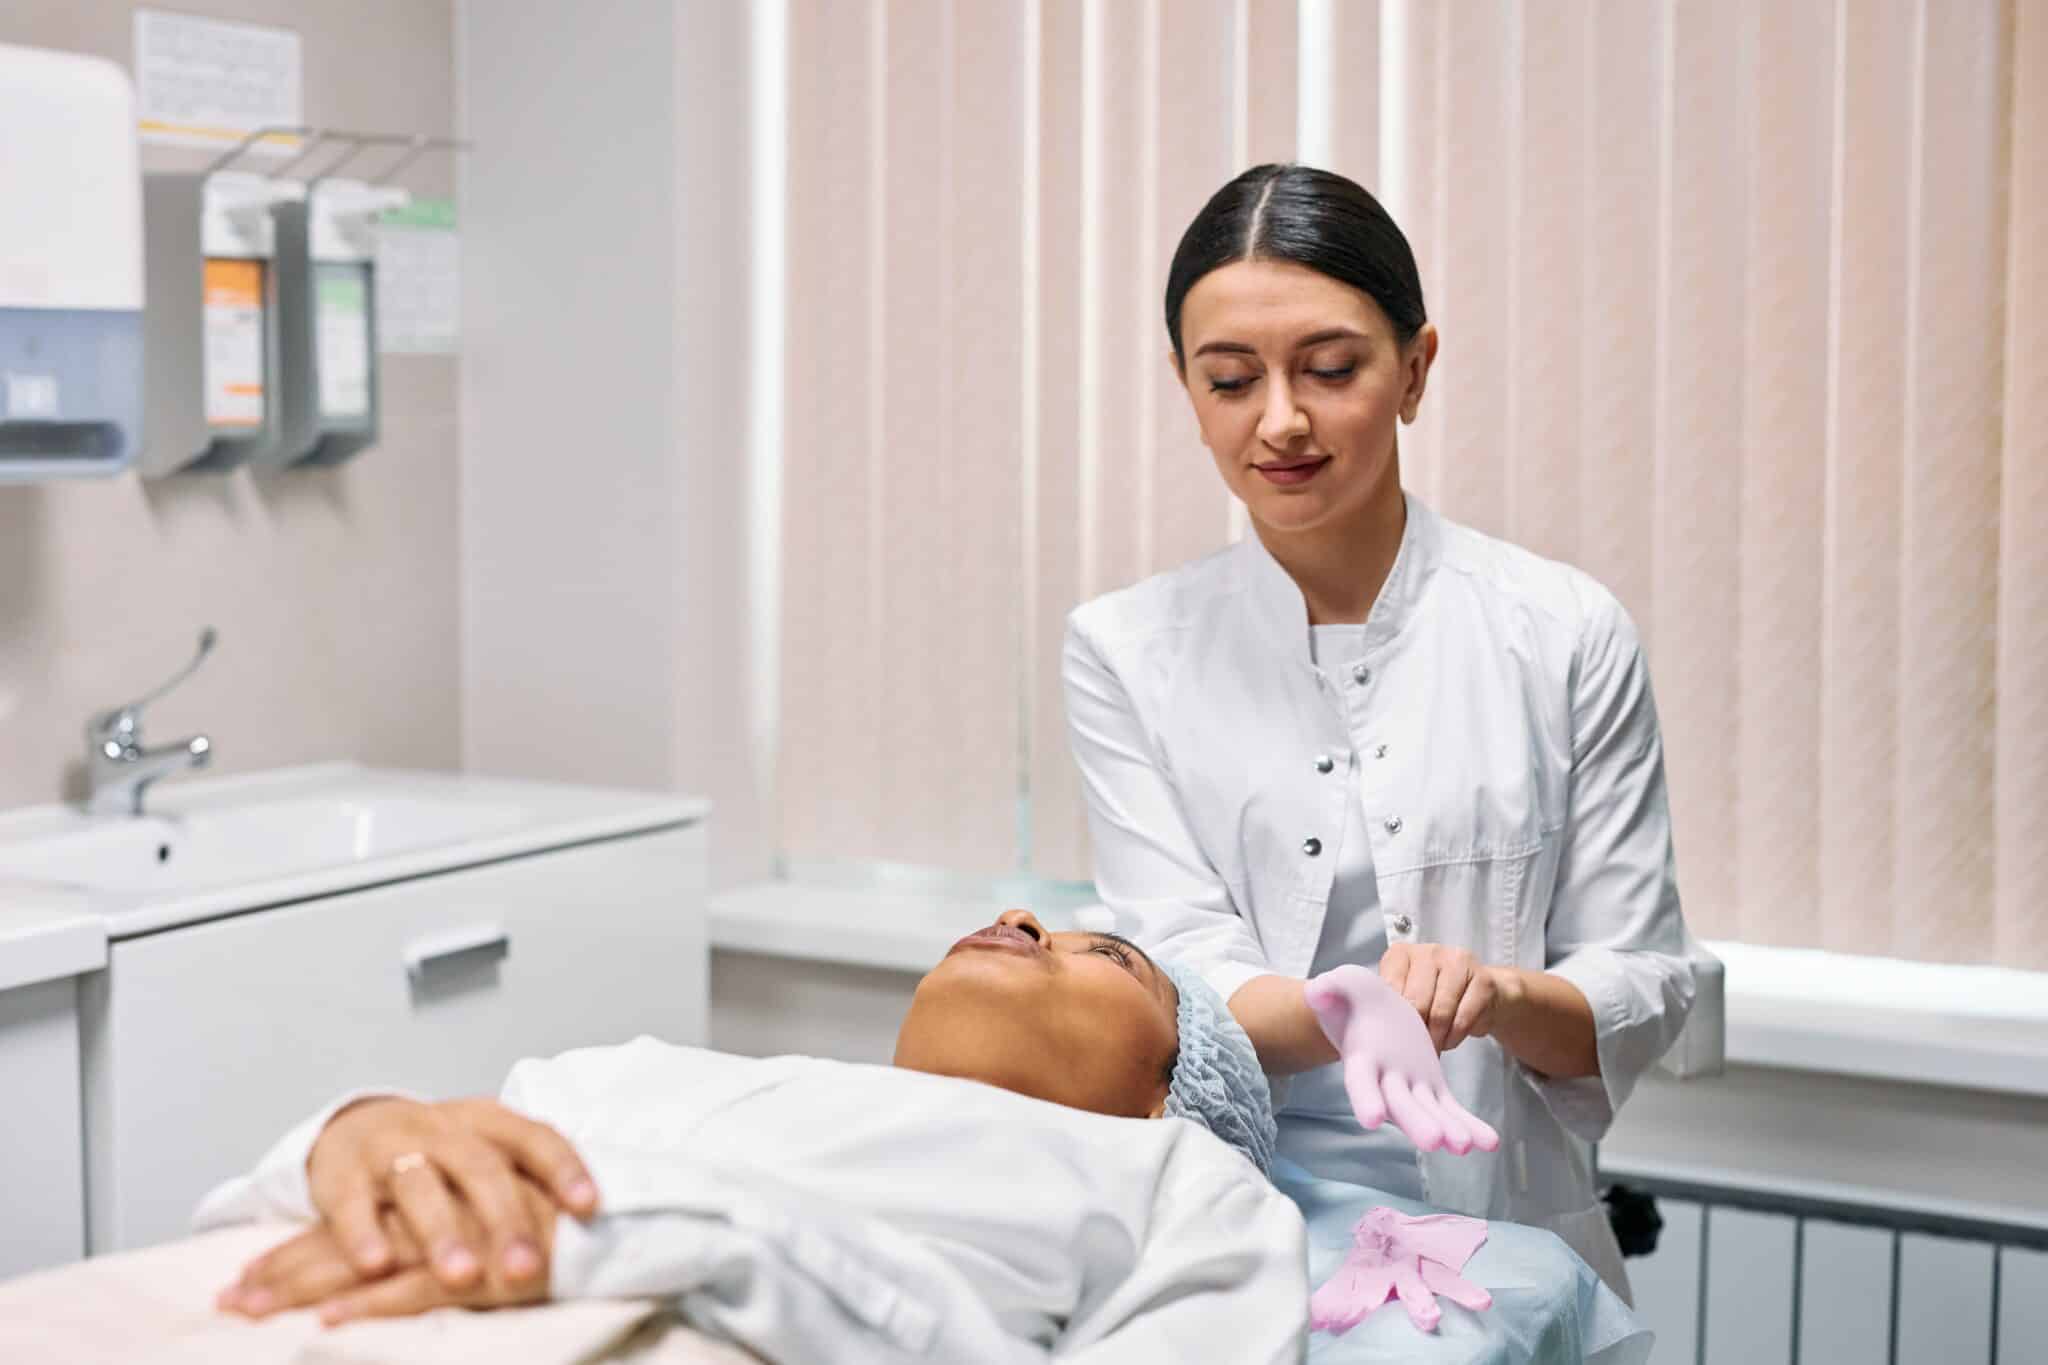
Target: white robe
{"x": 816, "y": 1210}
{"x": 1492, "y": 740}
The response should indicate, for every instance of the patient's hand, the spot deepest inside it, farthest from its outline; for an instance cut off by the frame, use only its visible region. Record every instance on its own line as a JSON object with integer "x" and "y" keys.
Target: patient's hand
{"x": 313, "y": 1269}
{"x": 453, "y": 1170}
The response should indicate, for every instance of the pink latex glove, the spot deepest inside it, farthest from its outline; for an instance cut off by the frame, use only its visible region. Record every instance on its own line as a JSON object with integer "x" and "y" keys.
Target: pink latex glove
{"x": 1391, "y": 1068}
{"x": 1414, "y": 1259}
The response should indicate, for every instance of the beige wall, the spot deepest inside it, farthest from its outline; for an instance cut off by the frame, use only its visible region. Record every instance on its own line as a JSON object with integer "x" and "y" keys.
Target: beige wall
{"x": 334, "y": 591}
{"x": 607, "y": 606}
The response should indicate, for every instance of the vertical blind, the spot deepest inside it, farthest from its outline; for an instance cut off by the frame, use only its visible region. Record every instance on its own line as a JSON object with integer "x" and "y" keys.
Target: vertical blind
{"x": 1744, "y": 310}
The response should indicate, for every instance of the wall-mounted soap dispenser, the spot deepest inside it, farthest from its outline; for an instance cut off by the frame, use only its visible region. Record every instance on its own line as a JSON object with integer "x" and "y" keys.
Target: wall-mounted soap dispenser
{"x": 212, "y": 329}
{"x": 326, "y": 253}
{"x": 71, "y": 282}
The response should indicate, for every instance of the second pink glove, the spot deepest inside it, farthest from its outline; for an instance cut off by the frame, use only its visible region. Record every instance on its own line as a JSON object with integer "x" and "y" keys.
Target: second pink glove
{"x": 1396, "y": 1256}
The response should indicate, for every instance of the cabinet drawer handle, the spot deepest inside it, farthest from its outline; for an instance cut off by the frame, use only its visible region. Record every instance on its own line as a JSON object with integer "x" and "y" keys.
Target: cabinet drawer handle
{"x": 465, "y": 948}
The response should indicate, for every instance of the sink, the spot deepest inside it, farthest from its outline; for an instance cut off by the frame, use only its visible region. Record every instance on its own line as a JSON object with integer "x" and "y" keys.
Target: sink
{"x": 221, "y": 845}
{"x": 254, "y": 843}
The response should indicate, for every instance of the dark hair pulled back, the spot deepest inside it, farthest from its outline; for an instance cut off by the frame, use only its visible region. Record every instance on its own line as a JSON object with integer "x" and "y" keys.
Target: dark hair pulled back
{"x": 1314, "y": 218}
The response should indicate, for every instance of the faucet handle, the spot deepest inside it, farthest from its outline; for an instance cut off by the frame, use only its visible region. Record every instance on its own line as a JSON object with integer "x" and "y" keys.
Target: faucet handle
{"x": 123, "y": 721}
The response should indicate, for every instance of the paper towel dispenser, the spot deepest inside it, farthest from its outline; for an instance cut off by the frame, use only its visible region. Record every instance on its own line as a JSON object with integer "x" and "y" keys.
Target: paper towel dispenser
{"x": 71, "y": 285}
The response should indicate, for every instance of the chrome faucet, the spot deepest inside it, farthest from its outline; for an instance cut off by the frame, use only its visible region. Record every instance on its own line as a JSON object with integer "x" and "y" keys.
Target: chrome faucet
{"x": 118, "y": 769}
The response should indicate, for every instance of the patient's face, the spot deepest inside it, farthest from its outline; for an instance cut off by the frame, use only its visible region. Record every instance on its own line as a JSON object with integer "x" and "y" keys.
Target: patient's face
{"x": 1076, "y": 1018}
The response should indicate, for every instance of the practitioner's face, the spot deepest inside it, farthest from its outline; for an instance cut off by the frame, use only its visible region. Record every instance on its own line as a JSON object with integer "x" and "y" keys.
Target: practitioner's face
{"x": 1076, "y": 1018}
{"x": 1298, "y": 384}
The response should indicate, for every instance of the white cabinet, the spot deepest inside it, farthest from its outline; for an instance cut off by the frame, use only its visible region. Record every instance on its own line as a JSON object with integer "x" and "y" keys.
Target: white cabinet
{"x": 203, "y": 1043}
{"x": 47, "y": 939}
{"x": 41, "y": 1188}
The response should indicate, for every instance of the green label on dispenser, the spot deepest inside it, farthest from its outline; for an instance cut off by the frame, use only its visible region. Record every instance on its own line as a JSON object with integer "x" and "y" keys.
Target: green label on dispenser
{"x": 343, "y": 312}
{"x": 438, "y": 214}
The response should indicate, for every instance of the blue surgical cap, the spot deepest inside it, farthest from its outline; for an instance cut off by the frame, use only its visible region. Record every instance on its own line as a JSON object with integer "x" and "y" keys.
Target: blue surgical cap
{"x": 1217, "y": 1080}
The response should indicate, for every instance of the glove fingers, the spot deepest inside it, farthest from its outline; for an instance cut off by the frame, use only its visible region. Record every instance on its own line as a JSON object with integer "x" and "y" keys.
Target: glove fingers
{"x": 1475, "y": 1128}
{"x": 1478, "y": 1129}
{"x": 1457, "y": 1137}
{"x": 1332, "y": 1309}
{"x": 1415, "y": 1296}
{"x": 1347, "y": 1296}
{"x": 1418, "y": 1123}
{"x": 1362, "y": 1084}
{"x": 1443, "y": 1280}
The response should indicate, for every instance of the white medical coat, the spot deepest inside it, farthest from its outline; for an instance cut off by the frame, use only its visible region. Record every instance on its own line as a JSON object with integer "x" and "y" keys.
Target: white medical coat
{"x": 816, "y": 1210}
{"x": 1512, "y": 781}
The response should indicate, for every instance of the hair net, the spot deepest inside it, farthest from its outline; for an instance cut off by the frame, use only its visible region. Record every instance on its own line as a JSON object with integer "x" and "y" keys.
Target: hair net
{"x": 1217, "y": 1081}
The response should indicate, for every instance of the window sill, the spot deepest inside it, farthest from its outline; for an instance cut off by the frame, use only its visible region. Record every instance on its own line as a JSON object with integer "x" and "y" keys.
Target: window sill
{"x": 889, "y": 930}
{"x": 1978, "y": 1028}
{"x": 1802, "y": 1009}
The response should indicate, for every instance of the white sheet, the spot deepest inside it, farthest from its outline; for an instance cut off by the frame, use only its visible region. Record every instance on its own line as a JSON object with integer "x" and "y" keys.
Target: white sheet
{"x": 156, "y": 1306}
{"x": 817, "y": 1210}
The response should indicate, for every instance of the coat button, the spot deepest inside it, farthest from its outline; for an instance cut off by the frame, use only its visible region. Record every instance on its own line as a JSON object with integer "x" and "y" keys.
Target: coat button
{"x": 1402, "y": 924}
{"x": 1380, "y": 751}
{"x": 1324, "y": 763}
{"x": 1360, "y": 674}
{"x": 1312, "y": 847}
{"x": 1393, "y": 824}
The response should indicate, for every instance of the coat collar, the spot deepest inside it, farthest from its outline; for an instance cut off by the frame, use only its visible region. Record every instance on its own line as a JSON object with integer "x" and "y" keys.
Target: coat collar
{"x": 1283, "y": 613}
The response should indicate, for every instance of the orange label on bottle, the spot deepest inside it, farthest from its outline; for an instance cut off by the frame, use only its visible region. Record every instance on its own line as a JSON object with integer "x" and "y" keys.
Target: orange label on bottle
{"x": 234, "y": 284}
{"x": 234, "y": 343}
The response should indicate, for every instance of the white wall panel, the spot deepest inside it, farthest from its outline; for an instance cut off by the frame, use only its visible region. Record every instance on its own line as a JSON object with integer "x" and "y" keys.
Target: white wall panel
{"x": 1945, "y": 1300}
{"x": 1667, "y": 1283}
{"x": 1749, "y": 1287}
{"x": 2022, "y": 1303}
{"x": 1845, "y": 1293}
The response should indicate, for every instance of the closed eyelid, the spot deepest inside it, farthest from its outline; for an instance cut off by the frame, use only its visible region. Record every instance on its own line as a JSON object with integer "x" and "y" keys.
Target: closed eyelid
{"x": 1115, "y": 954}
{"x": 1133, "y": 955}
{"x": 1118, "y": 949}
{"x": 1124, "y": 953}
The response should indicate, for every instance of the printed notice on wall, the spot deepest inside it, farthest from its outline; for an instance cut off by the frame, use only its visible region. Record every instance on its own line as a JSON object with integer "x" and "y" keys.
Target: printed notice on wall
{"x": 419, "y": 278}
{"x": 211, "y": 82}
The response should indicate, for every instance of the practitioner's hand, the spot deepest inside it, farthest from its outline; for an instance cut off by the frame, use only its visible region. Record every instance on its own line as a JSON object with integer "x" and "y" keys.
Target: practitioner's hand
{"x": 312, "y": 1268}
{"x": 1458, "y": 996}
{"x": 453, "y": 1172}
{"x": 1391, "y": 1069}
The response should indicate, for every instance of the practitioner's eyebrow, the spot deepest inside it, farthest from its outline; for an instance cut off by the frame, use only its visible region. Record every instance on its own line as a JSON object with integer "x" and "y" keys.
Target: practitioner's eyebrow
{"x": 1313, "y": 339}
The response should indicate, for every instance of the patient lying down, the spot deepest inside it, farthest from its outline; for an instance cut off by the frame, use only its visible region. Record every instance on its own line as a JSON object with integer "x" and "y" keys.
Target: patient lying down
{"x": 815, "y": 1210}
